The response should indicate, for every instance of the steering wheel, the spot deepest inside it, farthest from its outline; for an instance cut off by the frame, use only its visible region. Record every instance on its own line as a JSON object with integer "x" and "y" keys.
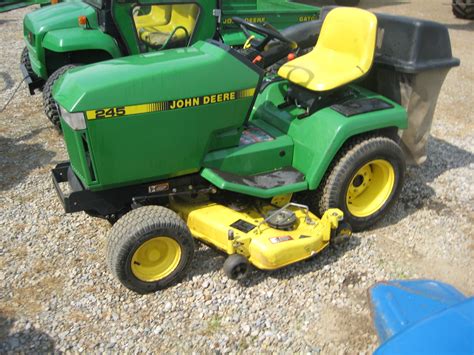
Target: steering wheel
{"x": 266, "y": 30}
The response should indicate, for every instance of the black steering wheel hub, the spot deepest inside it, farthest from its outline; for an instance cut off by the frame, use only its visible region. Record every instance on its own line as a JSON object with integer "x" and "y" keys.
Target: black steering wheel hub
{"x": 266, "y": 30}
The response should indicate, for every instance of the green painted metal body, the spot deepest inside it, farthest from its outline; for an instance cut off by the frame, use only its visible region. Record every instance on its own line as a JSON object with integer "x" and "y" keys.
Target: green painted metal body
{"x": 155, "y": 145}
{"x": 52, "y": 32}
{"x": 48, "y": 20}
{"x": 316, "y": 139}
{"x": 147, "y": 147}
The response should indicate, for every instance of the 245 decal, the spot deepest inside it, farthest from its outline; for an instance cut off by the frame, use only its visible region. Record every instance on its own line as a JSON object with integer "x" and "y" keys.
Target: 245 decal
{"x": 110, "y": 112}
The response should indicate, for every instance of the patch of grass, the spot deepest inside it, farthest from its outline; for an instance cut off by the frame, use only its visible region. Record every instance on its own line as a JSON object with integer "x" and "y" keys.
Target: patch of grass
{"x": 214, "y": 325}
{"x": 402, "y": 275}
{"x": 243, "y": 344}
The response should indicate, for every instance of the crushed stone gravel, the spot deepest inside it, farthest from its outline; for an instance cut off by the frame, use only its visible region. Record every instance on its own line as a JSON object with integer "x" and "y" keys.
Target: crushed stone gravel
{"x": 57, "y": 295}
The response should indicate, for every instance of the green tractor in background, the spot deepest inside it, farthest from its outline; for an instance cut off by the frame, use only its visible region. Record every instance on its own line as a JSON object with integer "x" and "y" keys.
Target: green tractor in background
{"x": 203, "y": 142}
{"x": 83, "y": 32}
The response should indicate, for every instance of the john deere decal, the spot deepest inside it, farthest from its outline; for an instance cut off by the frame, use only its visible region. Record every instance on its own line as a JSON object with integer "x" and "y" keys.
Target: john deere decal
{"x": 169, "y": 105}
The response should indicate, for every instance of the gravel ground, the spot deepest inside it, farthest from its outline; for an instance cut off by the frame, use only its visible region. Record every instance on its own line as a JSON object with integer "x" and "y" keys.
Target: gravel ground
{"x": 57, "y": 295}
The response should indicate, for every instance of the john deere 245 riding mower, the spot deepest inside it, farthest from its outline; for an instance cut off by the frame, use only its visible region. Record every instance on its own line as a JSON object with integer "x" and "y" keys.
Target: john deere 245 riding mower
{"x": 200, "y": 142}
{"x": 82, "y": 32}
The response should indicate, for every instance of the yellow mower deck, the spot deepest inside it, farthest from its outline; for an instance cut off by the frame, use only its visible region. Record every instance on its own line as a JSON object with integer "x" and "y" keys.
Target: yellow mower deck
{"x": 245, "y": 232}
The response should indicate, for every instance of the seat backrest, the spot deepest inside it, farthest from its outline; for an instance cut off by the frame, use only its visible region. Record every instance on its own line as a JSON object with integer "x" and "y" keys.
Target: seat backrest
{"x": 350, "y": 31}
{"x": 185, "y": 15}
{"x": 159, "y": 15}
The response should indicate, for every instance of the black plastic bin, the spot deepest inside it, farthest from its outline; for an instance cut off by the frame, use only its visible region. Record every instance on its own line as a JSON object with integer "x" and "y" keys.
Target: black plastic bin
{"x": 411, "y": 62}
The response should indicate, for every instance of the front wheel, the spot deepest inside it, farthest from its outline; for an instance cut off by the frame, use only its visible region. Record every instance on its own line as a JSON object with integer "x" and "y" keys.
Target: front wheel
{"x": 51, "y": 108}
{"x": 365, "y": 180}
{"x": 149, "y": 249}
{"x": 25, "y": 60}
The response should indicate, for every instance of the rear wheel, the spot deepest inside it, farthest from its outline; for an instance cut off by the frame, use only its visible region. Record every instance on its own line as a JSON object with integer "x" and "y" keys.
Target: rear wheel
{"x": 51, "y": 108}
{"x": 463, "y": 9}
{"x": 25, "y": 60}
{"x": 364, "y": 181}
{"x": 149, "y": 249}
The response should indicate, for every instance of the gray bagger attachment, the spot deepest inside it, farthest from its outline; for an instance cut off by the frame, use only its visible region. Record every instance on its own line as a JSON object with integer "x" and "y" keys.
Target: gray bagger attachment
{"x": 411, "y": 62}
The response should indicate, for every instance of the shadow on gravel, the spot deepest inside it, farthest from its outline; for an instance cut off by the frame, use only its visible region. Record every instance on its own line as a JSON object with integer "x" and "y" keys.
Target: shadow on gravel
{"x": 468, "y": 26}
{"x": 27, "y": 341}
{"x": 417, "y": 194}
{"x": 206, "y": 261}
{"x": 7, "y": 80}
{"x": 328, "y": 256}
{"x": 5, "y": 21}
{"x": 17, "y": 159}
{"x": 209, "y": 260}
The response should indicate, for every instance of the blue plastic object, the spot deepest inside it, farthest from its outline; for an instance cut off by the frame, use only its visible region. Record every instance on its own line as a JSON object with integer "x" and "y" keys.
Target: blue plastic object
{"x": 422, "y": 317}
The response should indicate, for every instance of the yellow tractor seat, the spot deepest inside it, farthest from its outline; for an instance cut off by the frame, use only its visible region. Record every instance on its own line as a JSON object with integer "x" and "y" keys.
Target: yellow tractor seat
{"x": 164, "y": 20}
{"x": 158, "y": 16}
{"x": 344, "y": 52}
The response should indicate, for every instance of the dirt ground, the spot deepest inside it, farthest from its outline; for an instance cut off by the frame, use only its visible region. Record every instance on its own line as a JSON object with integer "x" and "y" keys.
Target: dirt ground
{"x": 56, "y": 293}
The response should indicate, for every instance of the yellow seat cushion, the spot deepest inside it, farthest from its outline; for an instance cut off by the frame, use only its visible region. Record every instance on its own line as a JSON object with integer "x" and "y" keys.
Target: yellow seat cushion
{"x": 344, "y": 52}
{"x": 156, "y": 27}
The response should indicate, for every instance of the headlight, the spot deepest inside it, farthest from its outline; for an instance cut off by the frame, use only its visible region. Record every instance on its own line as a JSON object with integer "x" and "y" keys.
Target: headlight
{"x": 75, "y": 119}
{"x": 31, "y": 37}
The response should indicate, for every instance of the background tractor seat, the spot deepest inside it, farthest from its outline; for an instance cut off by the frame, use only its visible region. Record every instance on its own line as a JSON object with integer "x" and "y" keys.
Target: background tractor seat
{"x": 156, "y": 27}
{"x": 344, "y": 52}
{"x": 158, "y": 16}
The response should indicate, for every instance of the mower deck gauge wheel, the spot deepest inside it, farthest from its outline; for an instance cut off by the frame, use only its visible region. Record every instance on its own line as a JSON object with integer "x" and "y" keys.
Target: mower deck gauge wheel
{"x": 236, "y": 267}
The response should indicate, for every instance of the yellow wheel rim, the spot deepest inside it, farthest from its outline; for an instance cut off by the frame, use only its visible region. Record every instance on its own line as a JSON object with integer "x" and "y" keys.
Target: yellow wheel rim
{"x": 155, "y": 259}
{"x": 370, "y": 188}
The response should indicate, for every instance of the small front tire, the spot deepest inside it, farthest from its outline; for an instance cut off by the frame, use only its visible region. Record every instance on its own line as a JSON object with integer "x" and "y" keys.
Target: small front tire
{"x": 149, "y": 249}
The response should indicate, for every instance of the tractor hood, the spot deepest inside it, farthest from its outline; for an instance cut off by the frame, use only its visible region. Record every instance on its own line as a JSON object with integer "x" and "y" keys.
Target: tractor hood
{"x": 154, "y": 115}
{"x": 199, "y": 70}
{"x": 60, "y": 16}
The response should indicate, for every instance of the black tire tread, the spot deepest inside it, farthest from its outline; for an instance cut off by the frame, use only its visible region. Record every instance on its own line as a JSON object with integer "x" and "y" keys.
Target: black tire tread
{"x": 463, "y": 9}
{"x": 231, "y": 262}
{"x": 323, "y": 199}
{"x": 25, "y": 60}
{"x": 138, "y": 222}
{"x": 50, "y": 108}
{"x": 318, "y": 201}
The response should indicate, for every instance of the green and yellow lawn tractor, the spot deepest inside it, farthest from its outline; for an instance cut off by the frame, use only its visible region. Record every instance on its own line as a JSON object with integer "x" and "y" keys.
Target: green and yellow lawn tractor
{"x": 203, "y": 142}
{"x": 82, "y": 32}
